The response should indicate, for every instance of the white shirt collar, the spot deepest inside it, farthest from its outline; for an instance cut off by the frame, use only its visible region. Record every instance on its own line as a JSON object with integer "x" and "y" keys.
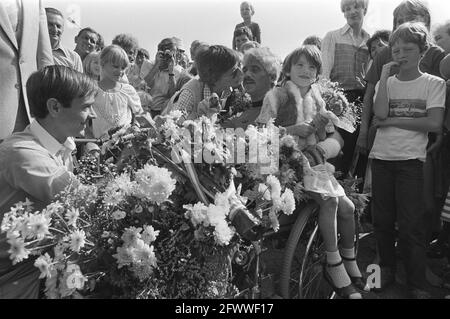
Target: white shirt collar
{"x": 48, "y": 141}
{"x": 347, "y": 28}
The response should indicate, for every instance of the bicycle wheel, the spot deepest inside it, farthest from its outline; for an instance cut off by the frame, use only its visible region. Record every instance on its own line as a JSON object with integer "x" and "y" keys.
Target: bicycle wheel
{"x": 294, "y": 252}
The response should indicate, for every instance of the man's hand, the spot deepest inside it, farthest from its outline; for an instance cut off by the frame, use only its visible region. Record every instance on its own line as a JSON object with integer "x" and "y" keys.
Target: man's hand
{"x": 435, "y": 148}
{"x": 377, "y": 122}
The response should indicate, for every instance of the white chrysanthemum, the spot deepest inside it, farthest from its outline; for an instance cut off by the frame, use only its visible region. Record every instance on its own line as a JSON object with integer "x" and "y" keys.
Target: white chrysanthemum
{"x": 131, "y": 235}
{"x": 44, "y": 264}
{"x": 17, "y": 251}
{"x": 118, "y": 214}
{"x": 197, "y": 213}
{"x": 149, "y": 234}
{"x": 38, "y": 226}
{"x": 288, "y": 202}
{"x": 125, "y": 256}
{"x": 77, "y": 240}
{"x": 265, "y": 191}
{"x": 275, "y": 186}
{"x": 222, "y": 199}
{"x": 215, "y": 215}
{"x": 154, "y": 184}
{"x": 72, "y": 216}
{"x": 117, "y": 189}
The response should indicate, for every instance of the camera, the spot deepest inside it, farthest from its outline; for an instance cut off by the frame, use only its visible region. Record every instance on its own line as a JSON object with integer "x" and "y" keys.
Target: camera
{"x": 165, "y": 56}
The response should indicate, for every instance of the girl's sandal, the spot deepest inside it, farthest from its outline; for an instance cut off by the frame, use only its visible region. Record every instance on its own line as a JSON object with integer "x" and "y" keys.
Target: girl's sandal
{"x": 357, "y": 281}
{"x": 344, "y": 292}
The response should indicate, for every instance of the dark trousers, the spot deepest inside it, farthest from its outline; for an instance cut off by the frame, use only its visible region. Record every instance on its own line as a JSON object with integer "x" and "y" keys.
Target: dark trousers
{"x": 397, "y": 195}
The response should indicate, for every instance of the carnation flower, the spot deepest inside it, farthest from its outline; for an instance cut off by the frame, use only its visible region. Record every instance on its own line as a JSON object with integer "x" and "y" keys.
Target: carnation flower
{"x": 275, "y": 187}
{"x": 155, "y": 184}
{"x": 77, "y": 240}
{"x": 118, "y": 214}
{"x": 44, "y": 264}
{"x": 17, "y": 252}
{"x": 149, "y": 234}
{"x": 72, "y": 216}
{"x": 288, "y": 202}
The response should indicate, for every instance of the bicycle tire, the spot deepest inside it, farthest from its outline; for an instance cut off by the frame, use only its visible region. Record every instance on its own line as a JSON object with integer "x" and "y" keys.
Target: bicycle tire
{"x": 291, "y": 246}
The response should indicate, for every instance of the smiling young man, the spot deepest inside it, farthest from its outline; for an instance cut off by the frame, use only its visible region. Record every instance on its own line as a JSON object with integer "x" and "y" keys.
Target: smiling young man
{"x": 61, "y": 55}
{"x": 36, "y": 164}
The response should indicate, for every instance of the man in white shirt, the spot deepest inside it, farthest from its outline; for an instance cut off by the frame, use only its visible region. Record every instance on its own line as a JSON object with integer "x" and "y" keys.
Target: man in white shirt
{"x": 61, "y": 55}
{"x": 37, "y": 163}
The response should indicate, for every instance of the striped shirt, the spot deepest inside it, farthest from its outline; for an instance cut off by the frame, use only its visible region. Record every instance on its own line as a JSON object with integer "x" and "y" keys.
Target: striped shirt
{"x": 345, "y": 57}
{"x": 445, "y": 214}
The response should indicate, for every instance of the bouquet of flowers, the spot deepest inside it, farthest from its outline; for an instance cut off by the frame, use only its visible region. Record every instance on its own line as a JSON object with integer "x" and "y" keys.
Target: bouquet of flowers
{"x": 58, "y": 237}
{"x": 349, "y": 114}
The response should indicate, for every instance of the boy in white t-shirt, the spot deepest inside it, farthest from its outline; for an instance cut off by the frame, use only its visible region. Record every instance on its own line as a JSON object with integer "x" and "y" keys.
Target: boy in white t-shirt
{"x": 407, "y": 107}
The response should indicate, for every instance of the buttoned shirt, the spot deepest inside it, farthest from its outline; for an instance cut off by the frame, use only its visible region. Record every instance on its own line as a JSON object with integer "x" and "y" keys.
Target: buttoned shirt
{"x": 69, "y": 58}
{"x": 33, "y": 164}
{"x": 345, "y": 57}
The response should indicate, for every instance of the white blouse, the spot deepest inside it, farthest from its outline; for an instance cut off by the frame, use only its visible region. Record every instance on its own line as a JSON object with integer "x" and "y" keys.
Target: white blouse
{"x": 113, "y": 108}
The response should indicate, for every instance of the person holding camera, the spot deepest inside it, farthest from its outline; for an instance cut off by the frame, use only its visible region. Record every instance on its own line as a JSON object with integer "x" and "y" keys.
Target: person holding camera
{"x": 165, "y": 76}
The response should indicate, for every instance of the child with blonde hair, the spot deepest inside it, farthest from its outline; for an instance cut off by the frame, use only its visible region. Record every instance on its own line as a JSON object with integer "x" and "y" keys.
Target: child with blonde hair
{"x": 91, "y": 65}
{"x": 298, "y": 106}
{"x": 116, "y": 102}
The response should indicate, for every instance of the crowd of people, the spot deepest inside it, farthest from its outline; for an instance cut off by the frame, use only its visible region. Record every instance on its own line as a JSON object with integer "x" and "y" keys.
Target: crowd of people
{"x": 50, "y": 94}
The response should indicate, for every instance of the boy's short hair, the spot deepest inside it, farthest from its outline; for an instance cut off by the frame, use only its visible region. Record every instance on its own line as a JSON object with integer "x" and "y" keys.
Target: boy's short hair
{"x": 312, "y": 55}
{"x": 54, "y": 11}
{"x": 114, "y": 54}
{"x": 413, "y": 8}
{"x": 126, "y": 42}
{"x": 143, "y": 52}
{"x": 243, "y": 31}
{"x": 59, "y": 82}
{"x": 269, "y": 61}
{"x": 249, "y": 4}
{"x": 412, "y": 32}
{"x": 215, "y": 62}
{"x": 382, "y": 35}
{"x": 313, "y": 40}
{"x": 362, "y": 3}
{"x": 249, "y": 45}
{"x": 167, "y": 44}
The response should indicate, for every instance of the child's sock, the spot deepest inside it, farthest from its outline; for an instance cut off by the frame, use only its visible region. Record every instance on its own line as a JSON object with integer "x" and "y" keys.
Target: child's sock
{"x": 350, "y": 265}
{"x": 338, "y": 274}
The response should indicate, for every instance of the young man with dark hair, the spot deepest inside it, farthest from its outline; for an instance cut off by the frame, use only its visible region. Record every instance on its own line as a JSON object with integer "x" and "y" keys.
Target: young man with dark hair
{"x": 36, "y": 164}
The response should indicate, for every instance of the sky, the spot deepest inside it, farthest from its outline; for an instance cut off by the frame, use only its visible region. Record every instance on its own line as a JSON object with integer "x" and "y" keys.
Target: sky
{"x": 284, "y": 23}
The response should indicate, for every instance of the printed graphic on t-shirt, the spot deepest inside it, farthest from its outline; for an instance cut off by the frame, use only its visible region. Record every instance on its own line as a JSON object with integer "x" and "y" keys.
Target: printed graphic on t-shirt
{"x": 407, "y": 108}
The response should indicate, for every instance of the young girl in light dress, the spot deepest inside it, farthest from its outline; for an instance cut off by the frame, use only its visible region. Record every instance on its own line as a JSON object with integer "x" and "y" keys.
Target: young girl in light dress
{"x": 116, "y": 102}
{"x": 298, "y": 106}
